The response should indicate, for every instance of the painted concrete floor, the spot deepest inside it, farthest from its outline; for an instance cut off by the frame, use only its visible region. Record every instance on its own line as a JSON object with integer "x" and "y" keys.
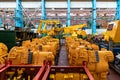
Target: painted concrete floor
{"x": 63, "y": 58}
{"x": 113, "y": 75}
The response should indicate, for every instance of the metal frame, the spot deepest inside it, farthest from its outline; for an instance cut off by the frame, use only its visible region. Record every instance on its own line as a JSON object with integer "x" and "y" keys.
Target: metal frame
{"x": 93, "y": 16}
{"x": 29, "y": 16}
{"x": 43, "y": 17}
{"x": 8, "y": 65}
{"x": 67, "y": 69}
{"x": 27, "y": 67}
{"x": 37, "y": 16}
{"x": 68, "y": 12}
{"x": 45, "y": 70}
{"x": 1, "y": 22}
{"x": 19, "y": 21}
{"x": 117, "y": 15}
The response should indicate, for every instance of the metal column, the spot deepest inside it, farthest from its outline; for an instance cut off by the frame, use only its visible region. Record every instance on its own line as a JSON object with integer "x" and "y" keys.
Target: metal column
{"x": 19, "y": 15}
{"x": 68, "y": 13}
{"x": 1, "y": 21}
{"x": 117, "y": 16}
{"x": 43, "y": 12}
{"x": 93, "y": 16}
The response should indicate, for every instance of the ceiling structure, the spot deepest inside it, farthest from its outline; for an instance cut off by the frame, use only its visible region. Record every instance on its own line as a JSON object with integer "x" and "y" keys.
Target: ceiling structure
{"x": 57, "y": 0}
{"x": 77, "y": 14}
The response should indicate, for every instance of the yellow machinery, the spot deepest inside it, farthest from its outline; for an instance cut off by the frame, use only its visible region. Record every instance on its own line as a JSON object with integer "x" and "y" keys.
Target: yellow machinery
{"x": 49, "y": 26}
{"x": 112, "y": 42}
{"x": 35, "y": 52}
{"x": 3, "y": 53}
{"x": 113, "y": 31}
{"x": 39, "y": 57}
{"x": 80, "y": 51}
{"x": 75, "y": 30}
{"x": 68, "y": 76}
{"x": 18, "y": 55}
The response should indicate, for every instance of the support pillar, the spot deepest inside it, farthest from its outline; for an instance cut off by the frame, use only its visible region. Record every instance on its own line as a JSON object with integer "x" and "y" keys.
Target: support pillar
{"x": 43, "y": 12}
{"x": 117, "y": 16}
{"x": 1, "y": 21}
{"x": 68, "y": 13}
{"x": 93, "y": 16}
{"x": 19, "y": 15}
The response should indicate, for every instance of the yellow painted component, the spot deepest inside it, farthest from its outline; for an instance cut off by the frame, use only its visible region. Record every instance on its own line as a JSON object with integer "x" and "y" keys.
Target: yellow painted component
{"x": 26, "y": 43}
{"x": 3, "y": 49}
{"x": 3, "y": 53}
{"x": 97, "y": 61}
{"x": 95, "y": 47}
{"x": 59, "y": 76}
{"x": 51, "y": 32}
{"x": 75, "y": 27}
{"x": 113, "y": 29}
{"x": 23, "y": 78}
{"x": 83, "y": 33}
{"x": 29, "y": 78}
{"x": 39, "y": 27}
{"x": 74, "y": 30}
{"x": 49, "y": 48}
{"x": 47, "y": 24}
{"x": 18, "y": 55}
{"x": 44, "y": 42}
{"x": 76, "y": 76}
{"x": 83, "y": 77}
{"x": 80, "y": 55}
{"x": 18, "y": 77}
{"x": 74, "y": 34}
{"x": 32, "y": 69}
{"x": 35, "y": 57}
{"x": 10, "y": 73}
{"x": 105, "y": 57}
{"x": 39, "y": 57}
{"x": 19, "y": 71}
{"x": 106, "y": 37}
{"x": 68, "y": 76}
{"x": 103, "y": 49}
{"x": 52, "y": 77}
{"x": 15, "y": 78}
{"x": 2, "y": 61}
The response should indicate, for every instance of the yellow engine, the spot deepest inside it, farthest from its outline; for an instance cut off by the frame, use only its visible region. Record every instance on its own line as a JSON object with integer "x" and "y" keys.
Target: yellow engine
{"x": 3, "y": 53}
{"x": 39, "y": 57}
{"x": 18, "y": 55}
{"x": 68, "y": 76}
{"x": 96, "y": 61}
{"x": 35, "y": 51}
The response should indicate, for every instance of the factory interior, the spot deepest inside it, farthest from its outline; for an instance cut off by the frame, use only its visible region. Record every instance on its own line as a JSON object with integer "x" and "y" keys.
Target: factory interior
{"x": 59, "y": 40}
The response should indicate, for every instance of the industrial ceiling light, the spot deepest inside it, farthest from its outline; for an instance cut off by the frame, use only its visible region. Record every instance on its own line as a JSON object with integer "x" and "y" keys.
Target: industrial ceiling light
{"x": 53, "y": 9}
{"x": 81, "y": 8}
